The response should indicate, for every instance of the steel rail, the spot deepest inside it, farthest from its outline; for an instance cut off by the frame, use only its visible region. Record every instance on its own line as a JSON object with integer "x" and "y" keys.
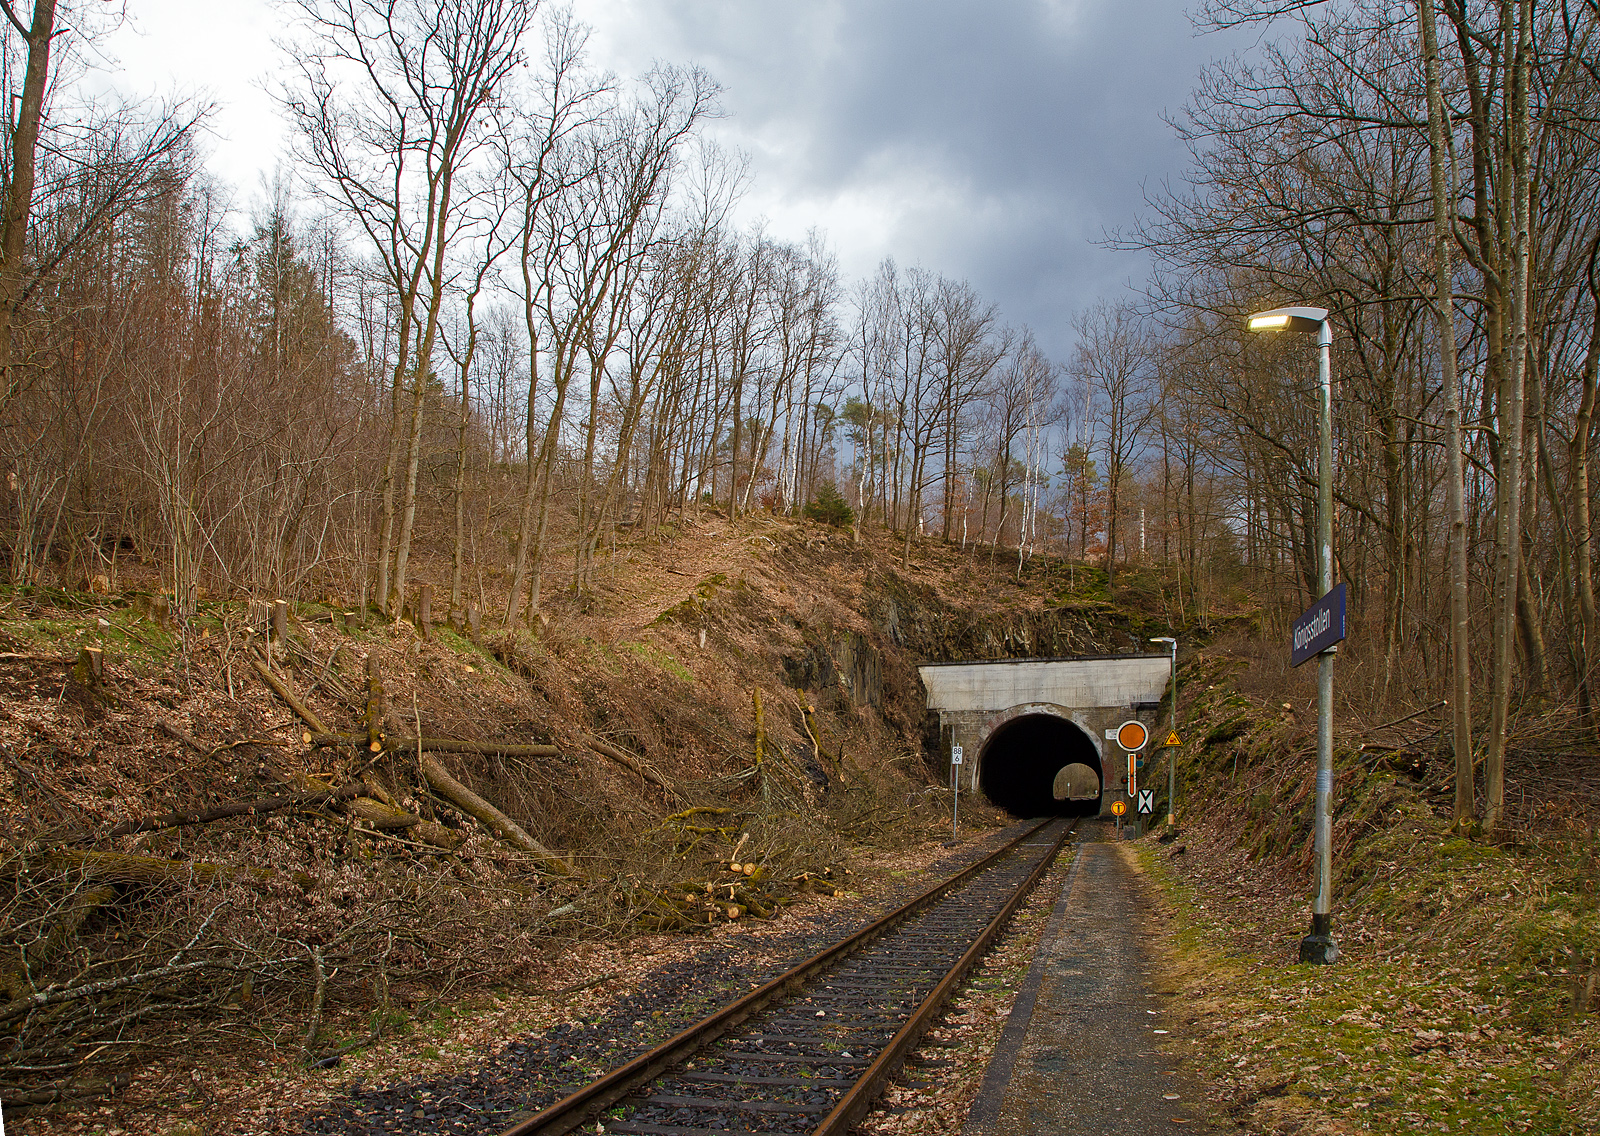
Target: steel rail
{"x": 581, "y": 1106}
{"x": 859, "y": 1097}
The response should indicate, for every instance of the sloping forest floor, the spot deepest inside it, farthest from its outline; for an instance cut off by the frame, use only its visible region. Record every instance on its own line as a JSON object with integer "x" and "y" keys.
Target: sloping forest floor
{"x": 226, "y": 856}
{"x": 737, "y": 693}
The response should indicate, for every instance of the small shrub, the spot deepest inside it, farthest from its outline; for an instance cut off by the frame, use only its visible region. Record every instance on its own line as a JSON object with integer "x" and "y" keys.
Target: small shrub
{"x": 829, "y": 507}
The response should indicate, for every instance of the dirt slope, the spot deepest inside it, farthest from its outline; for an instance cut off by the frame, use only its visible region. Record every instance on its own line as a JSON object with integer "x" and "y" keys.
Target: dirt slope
{"x": 327, "y": 925}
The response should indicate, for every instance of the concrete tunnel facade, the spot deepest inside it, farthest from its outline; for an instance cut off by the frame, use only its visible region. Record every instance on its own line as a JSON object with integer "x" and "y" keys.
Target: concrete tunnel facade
{"x": 1033, "y": 731}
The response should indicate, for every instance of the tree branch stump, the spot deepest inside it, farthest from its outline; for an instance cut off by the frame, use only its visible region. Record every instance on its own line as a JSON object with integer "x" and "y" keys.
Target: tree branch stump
{"x": 280, "y": 628}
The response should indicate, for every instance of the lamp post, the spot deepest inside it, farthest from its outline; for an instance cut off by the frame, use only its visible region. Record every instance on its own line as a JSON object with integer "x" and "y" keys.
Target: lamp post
{"x": 1319, "y": 947}
{"x": 1172, "y": 750}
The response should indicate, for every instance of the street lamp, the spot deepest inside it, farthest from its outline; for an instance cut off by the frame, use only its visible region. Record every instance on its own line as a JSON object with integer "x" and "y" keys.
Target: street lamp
{"x": 1319, "y": 947}
{"x": 1172, "y": 750}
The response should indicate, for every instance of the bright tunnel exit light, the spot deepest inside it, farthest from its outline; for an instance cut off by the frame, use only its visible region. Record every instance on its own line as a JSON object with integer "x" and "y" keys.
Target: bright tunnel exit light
{"x": 1273, "y": 321}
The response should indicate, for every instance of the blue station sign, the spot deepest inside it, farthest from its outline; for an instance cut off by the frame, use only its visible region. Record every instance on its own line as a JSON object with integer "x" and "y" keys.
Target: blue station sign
{"x": 1320, "y": 627}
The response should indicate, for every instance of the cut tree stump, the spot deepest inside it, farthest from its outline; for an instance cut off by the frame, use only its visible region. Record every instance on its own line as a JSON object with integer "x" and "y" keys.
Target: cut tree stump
{"x": 280, "y": 628}
{"x": 90, "y": 669}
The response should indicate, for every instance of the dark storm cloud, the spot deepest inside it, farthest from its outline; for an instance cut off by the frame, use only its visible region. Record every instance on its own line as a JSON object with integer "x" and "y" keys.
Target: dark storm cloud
{"x": 994, "y": 141}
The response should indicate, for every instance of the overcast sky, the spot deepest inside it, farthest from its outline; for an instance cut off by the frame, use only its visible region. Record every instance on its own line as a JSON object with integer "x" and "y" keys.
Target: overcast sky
{"x": 992, "y": 141}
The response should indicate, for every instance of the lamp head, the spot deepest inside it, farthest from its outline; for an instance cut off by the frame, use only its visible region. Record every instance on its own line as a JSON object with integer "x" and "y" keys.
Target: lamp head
{"x": 1289, "y": 319}
{"x": 1163, "y": 639}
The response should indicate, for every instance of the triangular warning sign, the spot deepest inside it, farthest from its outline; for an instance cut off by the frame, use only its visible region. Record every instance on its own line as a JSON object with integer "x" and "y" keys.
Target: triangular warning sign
{"x": 1172, "y": 739}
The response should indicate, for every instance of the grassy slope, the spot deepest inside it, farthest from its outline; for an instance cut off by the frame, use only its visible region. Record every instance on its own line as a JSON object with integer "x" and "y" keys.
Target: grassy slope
{"x": 1460, "y": 1001}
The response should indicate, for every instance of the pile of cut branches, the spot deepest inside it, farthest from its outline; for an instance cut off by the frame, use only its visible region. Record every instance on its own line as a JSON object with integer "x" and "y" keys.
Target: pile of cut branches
{"x": 716, "y": 864}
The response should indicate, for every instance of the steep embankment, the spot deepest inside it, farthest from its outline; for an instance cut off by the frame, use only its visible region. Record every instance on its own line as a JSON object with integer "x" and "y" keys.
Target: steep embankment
{"x": 1465, "y": 997}
{"x": 183, "y": 861}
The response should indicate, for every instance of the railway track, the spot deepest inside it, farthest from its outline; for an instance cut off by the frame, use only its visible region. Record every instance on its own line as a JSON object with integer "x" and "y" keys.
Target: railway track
{"x": 809, "y": 1051}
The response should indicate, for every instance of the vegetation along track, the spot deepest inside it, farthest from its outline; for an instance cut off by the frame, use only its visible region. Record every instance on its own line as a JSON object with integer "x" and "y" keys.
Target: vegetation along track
{"x": 809, "y": 1050}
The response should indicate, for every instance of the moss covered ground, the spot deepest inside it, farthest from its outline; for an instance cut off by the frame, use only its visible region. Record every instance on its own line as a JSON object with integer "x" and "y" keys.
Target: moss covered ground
{"x": 1465, "y": 996}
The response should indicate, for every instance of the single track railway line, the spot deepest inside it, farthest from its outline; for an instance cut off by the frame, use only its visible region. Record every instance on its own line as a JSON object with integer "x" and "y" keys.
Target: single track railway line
{"x": 810, "y": 1050}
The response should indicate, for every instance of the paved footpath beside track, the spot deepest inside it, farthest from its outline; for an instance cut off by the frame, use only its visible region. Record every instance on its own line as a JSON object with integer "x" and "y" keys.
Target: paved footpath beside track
{"x": 1080, "y": 1055}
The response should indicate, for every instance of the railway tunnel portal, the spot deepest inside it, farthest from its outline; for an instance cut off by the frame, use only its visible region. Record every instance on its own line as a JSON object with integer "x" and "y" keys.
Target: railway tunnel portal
{"x": 1033, "y": 731}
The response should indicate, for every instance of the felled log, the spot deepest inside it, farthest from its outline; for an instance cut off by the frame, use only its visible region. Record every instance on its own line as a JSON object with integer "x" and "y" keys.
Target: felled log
{"x": 503, "y": 827}
{"x": 372, "y": 804}
{"x": 178, "y": 734}
{"x": 80, "y": 905}
{"x": 805, "y": 881}
{"x": 380, "y": 814}
{"x": 437, "y": 835}
{"x": 627, "y": 761}
{"x": 127, "y": 868}
{"x": 312, "y": 798}
{"x": 698, "y": 810}
{"x": 281, "y": 689}
{"x": 377, "y": 808}
{"x": 68, "y": 1089}
{"x": 440, "y": 745}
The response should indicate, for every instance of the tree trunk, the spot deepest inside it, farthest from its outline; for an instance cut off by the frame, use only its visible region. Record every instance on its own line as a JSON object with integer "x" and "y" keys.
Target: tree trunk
{"x": 1508, "y": 495}
{"x": 18, "y": 203}
{"x": 1455, "y": 463}
{"x": 1582, "y": 517}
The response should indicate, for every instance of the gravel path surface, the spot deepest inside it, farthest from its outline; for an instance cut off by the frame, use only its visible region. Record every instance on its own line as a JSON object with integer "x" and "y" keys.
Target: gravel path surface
{"x": 1085, "y": 1048}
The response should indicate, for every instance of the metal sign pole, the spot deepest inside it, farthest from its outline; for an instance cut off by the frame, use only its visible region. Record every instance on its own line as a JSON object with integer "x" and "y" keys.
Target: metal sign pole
{"x": 1319, "y": 946}
{"x": 1172, "y": 750}
{"x": 955, "y": 782}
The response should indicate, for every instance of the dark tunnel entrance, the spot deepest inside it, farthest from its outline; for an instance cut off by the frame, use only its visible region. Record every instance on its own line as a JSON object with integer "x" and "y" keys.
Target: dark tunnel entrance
{"x": 1041, "y": 765}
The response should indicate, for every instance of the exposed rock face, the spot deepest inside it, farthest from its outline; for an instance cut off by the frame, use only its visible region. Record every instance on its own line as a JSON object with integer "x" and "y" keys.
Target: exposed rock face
{"x": 935, "y": 631}
{"x": 910, "y": 624}
{"x": 845, "y": 661}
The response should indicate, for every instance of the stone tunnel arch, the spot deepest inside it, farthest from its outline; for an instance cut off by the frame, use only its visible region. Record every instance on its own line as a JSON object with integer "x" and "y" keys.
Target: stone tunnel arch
{"x": 978, "y": 700}
{"x": 1036, "y": 761}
